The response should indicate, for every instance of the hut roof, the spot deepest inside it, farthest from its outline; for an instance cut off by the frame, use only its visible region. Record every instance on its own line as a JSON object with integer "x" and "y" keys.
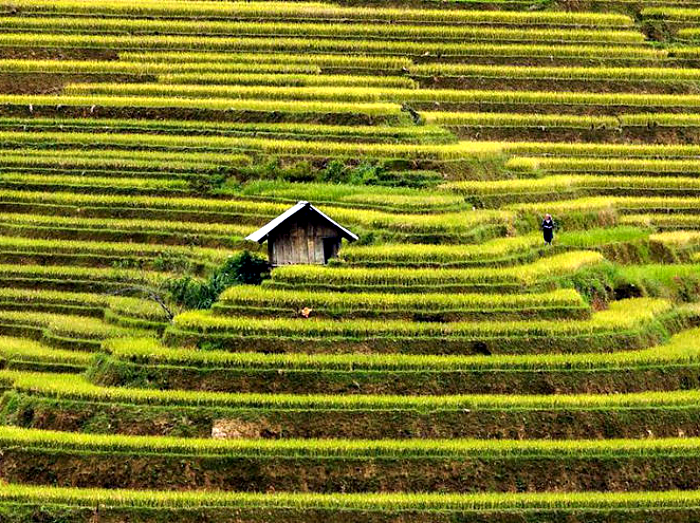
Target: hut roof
{"x": 262, "y": 234}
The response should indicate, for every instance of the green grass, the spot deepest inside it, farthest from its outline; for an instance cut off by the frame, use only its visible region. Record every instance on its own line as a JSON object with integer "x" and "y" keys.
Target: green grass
{"x": 411, "y": 200}
{"x": 24, "y": 351}
{"x": 322, "y": 11}
{"x": 562, "y": 165}
{"x": 318, "y": 29}
{"x": 682, "y": 349}
{"x": 621, "y": 316}
{"x": 437, "y": 503}
{"x": 514, "y": 120}
{"x": 628, "y": 101}
{"x": 310, "y": 45}
{"x": 294, "y": 107}
{"x": 577, "y": 186}
{"x": 120, "y": 305}
{"x": 349, "y": 449}
{"x": 78, "y": 388}
{"x": 146, "y": 68}
{"x": 443, "y": 255}
{"x": 125, "y": 226}
{"x": 553, "y": 266}
{"x": 223, "y": 60}
{"x": 614, "y": 151}
{"x": 239, "y": 145}
{"x": 382, "y": 305}
{"x": 95, "y": 248}
{"x": 182, "y": 162}
{"x": 64, "y": 325}
{"x": 291, "y": 80}
{"x": 514, "y": 73}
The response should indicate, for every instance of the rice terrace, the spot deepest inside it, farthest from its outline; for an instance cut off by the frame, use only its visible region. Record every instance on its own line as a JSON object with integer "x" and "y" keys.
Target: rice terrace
{"x": 350, "y": 261}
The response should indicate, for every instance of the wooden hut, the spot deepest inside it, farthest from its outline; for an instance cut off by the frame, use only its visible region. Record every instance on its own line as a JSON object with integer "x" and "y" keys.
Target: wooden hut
{"x": 302, "y": 234}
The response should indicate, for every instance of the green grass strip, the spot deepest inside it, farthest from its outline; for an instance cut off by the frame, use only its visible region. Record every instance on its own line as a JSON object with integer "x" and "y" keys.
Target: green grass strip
{"x": 603, "y": 165}
{"x": 250, "y": 296}
{"x": 682, "y": 349}
{"x": 65, "y": 325}
{"x": 349, "y": 449}
{"x": 388, "y": 95}
{"x": 238, "y": 145}
{"x": 313, "y": 10}
{"x": 223, "y": 60}
{"x": 557, "y": 265}
{"x": 22, "y": 350}
{"x": 78, "y": 388}
{"x": 292, "y": 107}
{"x": 379, "y": 502}
{"x": 394, "y": 253}
{"x": 413, "y": 200}
{"x": 511, "y": 72}
{"x": 420, "y": 32}
{"x": 291, "y": 80}
{"x": 403, "y": 48}
{"x": 624, "y": 315}
{"x": 650, "y": 151}
{"x": 49, "y": 222}
{"x": 126, "y": 67}
{"x": 586, "y": 183}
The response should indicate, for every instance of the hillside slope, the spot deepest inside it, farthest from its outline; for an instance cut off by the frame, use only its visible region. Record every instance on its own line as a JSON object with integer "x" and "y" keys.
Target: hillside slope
{"x": 452, "y": 367}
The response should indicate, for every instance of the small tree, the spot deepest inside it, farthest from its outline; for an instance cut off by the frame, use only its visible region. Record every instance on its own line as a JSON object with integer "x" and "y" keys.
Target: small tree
{"x": 244, "y": 268}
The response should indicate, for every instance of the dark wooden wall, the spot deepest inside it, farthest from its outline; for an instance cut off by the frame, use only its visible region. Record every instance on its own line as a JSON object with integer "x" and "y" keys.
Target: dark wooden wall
{"x": 301, "y": 241}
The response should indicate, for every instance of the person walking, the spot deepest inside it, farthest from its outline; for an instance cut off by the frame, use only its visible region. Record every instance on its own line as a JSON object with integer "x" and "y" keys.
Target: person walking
{"x": 548, "y": 229}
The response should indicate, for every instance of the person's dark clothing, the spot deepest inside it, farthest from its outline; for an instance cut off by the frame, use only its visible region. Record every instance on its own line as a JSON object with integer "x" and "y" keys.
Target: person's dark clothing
{"x": 548, "y": 230}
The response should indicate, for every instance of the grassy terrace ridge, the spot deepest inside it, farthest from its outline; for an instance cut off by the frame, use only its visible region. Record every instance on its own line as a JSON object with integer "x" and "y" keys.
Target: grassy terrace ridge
{"x": 66, "y": 326}
{"x": 77, "y": 388}
{"x": 30, "y": 246}
{"x": 56, "y": 228}
{"x": 422, "y": 133}
{"x": 510, "y": 503}
{"x": 579, "y": 186}
{"x": 499, "y": 251}
{"x": 149, "y": 67}
{"x": 347, "y": 29}
{"x": 347, "y": 277}
{"x": 339, "y": 448}
{"x": 318, "y": 60}
{"x": 628, "y": 166}
{"x": 626, "y": 319}
{"x": 633, "y": 52}
{"x": 31, "y": 354}
{"x": 309, "y": 10}
{"x": 627, "y": 102}
{"x": 273, "y": 302}
{"x": 87, "y": 303}
{"x": 214, "y": 217}
{"x": 146, "y": 362}
{"x": 353, "y": 196}
{"x": 624, "y": 74}
{"x": 614, "y": 151}
{"x": 239, "y": 145}
{"x": 208, "y": 108}
{"x": 681, "y": 348}
{"x": 121, "y": 160}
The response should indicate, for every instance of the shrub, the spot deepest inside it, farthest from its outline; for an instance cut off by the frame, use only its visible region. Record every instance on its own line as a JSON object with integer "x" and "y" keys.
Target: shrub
{"x": 242, "y": 268}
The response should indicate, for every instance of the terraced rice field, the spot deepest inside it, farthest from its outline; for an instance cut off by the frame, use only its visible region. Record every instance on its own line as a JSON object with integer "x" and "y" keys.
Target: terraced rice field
{"x": 447, "y": 367}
